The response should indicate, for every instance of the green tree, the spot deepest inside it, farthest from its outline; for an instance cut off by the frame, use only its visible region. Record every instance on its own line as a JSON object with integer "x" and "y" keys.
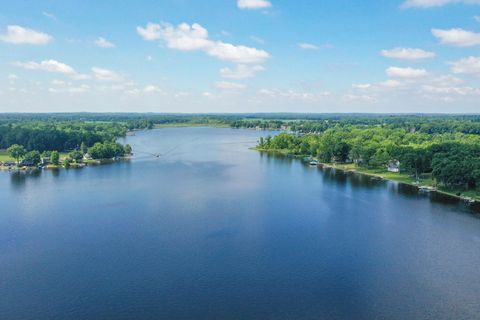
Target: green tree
{"x": 83, "y": 148}
{"x": 55, "y": 157}
{"x": 76, "y": 156}
{"x": 66, "y": 163}
{"x": 32, "y": 157}
{"x": 127, "y": 149}
{"x": 17, "y": 152}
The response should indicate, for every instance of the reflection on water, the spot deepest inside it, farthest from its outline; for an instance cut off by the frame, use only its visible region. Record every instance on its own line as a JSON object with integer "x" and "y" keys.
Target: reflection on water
{"x": 340, "y": 177}
{"x": 19, "y": 178}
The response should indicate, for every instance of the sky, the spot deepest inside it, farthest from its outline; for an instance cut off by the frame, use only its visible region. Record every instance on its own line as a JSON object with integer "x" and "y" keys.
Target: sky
{"x": 236, "y": 56}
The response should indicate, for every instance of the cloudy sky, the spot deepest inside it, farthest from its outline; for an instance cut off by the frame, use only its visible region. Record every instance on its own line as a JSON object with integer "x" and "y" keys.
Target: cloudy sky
{"x": 240, "y": 56}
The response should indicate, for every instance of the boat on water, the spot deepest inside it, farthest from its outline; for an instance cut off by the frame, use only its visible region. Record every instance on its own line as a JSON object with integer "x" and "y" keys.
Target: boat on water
{"x": 314, "y": 163}
{"x": 469, "y": 200}
{"x": 427, "y": 189}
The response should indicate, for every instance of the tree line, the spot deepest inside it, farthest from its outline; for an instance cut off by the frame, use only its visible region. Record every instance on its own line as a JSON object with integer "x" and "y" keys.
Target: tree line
{"x": 451, "y": 158}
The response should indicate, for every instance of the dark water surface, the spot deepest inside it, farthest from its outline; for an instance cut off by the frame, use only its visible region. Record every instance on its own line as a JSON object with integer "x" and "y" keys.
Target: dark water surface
{"x": 213, "y": 230}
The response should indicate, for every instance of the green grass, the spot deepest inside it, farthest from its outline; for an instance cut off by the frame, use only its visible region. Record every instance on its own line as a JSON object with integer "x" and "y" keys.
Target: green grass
{"x": 4, "y": 156}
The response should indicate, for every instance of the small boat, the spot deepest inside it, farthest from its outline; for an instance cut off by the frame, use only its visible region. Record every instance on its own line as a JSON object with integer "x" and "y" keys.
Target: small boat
{"x": 314, "y": 163}
{"x": 469, "y": 200}
{"x": 426, "y": 189}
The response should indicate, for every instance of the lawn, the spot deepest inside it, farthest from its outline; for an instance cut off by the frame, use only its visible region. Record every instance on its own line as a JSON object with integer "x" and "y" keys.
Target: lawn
{"x": 4, "y": 156}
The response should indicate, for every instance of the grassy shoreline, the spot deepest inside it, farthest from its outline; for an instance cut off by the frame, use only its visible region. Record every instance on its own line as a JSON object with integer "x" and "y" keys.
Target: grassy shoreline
{"x": 404, "y": 178}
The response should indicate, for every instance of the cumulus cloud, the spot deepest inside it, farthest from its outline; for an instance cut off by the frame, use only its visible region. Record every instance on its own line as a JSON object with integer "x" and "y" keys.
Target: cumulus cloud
{"x": 225, "y": 85}
{"x": 457, "y": 37}
{"x": 52, "y": 66}
{"x": 106, "y": 74}
{"x": 407, "y": 54}
{"x": 152, "y": 89}
{"x": 469, "y": 65}
{"x": 307, "y": 46}
{"x": 242, "y": 71}
{"x": 194, "y": 37}
{"x": 396, "y": 72}
{"x": 253, "y": 4}
{"x": 20, "y": 35}
{"x": 434, "y": 3}
{"x": 104, "y": 43}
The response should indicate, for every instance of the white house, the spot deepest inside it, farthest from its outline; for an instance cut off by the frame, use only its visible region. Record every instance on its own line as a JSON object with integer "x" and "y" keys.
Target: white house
{"x": 394, "y": 166}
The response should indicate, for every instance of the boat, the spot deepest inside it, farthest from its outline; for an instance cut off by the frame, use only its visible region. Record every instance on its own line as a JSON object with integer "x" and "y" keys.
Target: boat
{"x": 314, "y": 163}
{"x": 469, "y": 200}
{"x": 426, "y": 189}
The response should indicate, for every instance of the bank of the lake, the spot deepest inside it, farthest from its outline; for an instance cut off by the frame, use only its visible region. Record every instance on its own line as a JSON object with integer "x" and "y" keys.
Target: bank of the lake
{"x": 408, "y": 179}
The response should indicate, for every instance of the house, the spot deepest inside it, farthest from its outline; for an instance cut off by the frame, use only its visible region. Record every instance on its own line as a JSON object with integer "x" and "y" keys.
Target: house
{"x": 394, "y": 166}
{"x": 27, "y": 163}
{"x": 45, "y": 161}
{"x": 9, "y": 163}
{"x": 87, "y": 157}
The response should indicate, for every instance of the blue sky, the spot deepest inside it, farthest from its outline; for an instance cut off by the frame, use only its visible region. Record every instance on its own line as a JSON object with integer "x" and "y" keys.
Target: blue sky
{"x": 240, "y": 56}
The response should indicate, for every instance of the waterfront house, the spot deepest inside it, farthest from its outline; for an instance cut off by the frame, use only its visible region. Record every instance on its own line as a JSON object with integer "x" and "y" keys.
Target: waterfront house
{"x": 9, "y": 164}
{"x": 394, "y": 166}
{"x": 27, "y": 163}
{"x": 87, "y": 157}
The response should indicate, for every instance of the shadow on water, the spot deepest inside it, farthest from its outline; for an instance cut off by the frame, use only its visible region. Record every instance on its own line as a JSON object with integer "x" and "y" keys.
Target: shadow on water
{"x": 20, "y": 178}
{"x": 356, "y": 180}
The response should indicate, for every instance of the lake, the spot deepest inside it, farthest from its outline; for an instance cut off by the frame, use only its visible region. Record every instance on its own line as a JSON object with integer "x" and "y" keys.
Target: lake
{"x": 214, "y": 230}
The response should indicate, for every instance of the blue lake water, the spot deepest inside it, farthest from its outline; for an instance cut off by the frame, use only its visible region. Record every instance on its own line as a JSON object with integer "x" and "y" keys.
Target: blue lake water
{"x": 213, "y": 230}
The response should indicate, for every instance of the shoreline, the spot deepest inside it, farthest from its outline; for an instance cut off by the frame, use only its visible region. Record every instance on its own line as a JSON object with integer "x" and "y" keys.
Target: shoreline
{"x": 87, "y": 163}
{"x": 341, "y": 167}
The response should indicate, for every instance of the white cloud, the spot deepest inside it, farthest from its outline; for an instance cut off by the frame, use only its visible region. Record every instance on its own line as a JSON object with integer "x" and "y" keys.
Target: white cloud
{"x": 225, "y": 85}
{"x": 407, "y": 54}
{"x": 103, "y": 43}
{"x": 242, "y": 71}
{"x": 469, "y": 65}
{"x": 194, "y": 37}
{"x": 361, "y": 86}
{"x": 308, "y": 46}
{"x": 49, "y": 15}
{"x": 152, "y": 89}
{"x": 53, "y": 66}
{"x": 397, "y": 72}
{"x": 20, "y": 35}
{"x": 253, "y": 4}
{"x": 106, "y": 75}
{"x": 457, "y": 37}
{"x": 238, "y": 54}
{"x": 434, "y": 3}
{"x": 151, "y": 32}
